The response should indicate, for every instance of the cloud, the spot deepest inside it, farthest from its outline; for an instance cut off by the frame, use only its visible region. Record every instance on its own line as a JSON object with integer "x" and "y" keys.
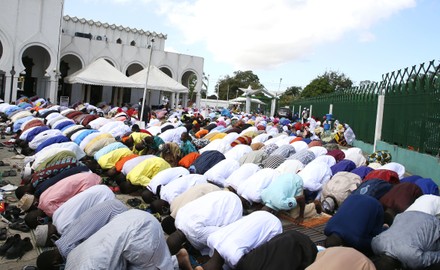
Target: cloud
{"x": 260, "y": 33}
{"x": 366, "y": 37}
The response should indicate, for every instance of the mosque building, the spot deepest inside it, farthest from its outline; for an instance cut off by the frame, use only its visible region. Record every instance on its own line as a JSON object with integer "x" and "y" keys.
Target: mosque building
{"x": 40, "y": 47}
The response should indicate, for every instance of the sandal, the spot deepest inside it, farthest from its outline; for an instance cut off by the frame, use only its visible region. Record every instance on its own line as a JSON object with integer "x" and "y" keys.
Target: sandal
{"x": 19, "y": 226}
{"x": 5, "y": 174}
{"x": 12, "y": 173}
{"x": 134, "y": 202}
{"x": 142, "y": 207}
{"x": 2, "y": 163}
{"x": 3, "y": 234}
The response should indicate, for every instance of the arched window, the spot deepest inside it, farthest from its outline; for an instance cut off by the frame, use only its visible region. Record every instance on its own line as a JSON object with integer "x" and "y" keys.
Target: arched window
{"x": 132, "y": 43}
{"x": 119, "y": 41}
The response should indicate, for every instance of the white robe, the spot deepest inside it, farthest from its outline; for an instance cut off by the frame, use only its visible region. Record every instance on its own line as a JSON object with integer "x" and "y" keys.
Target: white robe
{"x": 241, "y": 174}
{"x": 205, "y": 215}
{"x": 251, "y": 188}
{"x": 222, "y": 170}
{"x": 180, "y": 185}
{"x": 237, "y": 239}
{"x": 165, "y": 177}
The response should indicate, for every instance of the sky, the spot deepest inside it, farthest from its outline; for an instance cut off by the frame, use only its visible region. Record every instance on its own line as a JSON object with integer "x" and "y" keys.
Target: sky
{"x": 284, "y": 42}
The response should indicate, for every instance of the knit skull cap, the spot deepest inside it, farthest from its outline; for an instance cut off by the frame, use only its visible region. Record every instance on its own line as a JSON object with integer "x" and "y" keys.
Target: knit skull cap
{"x": 41, "y": 235}
{"x": 26, "y": 202}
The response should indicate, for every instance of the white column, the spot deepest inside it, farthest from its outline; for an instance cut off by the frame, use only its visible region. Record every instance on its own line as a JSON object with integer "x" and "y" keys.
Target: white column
{"x": 248, "y": 104}
{"x": 121, "y": 95}
{"x": 185, "y": 100}
{"x": 198, "y": 97}
{"x": 115, "y": 96}
{"x": 273, "y": 106}
{"x": 330, "y": 109}
{"x": 311, "y": 108}
{"x": 172, "y": 101}
{"x": 379, "y": 120}
{"x": 9, "y": 80}
{"x": 177, "y": 99}
{"x": 53, "y": 90}
{"x": 300, "y": 115}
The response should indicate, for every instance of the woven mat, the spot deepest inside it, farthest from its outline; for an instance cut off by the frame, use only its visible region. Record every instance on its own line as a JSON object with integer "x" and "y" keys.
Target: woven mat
{"x": 308, "y": 222}
{"x": 312, "y": 227}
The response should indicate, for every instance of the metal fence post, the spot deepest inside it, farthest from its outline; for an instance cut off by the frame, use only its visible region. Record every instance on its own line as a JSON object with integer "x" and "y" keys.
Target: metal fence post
{"x": 379, "y": 119}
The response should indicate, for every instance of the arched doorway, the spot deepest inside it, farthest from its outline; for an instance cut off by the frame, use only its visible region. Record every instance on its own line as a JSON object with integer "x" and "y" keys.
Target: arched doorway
{"x": 34, "y": 80}
{"x": 189, "y": 79}
{"x": 69, "y": 64}
{"x": 166, "y": 71}
{"x": 126, "y": 94}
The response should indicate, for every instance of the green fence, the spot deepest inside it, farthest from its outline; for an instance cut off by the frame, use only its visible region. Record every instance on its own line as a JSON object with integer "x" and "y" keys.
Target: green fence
{"x": 356, "y": 107}
{"x": 412, "y": 108}
{"x": 411, "y": 117}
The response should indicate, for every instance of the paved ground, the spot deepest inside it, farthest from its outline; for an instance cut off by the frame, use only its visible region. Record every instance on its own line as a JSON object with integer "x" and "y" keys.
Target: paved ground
{"x": 7, "y": 155}
{"x": 15, "y": 161}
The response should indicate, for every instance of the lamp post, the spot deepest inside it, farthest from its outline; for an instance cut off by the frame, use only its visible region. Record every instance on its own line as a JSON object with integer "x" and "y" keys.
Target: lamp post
{"x": 146, "y": 80}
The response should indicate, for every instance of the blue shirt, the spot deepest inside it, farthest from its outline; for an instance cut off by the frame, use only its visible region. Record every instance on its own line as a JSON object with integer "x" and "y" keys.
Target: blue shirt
{"x": 108, "y": 148}
{"x": 19, "y": 122}
{"x": 52, "y": 140}
{"x": 281, "y": 192}
{"x": 31, "y": 135}
{"x": 12, "y": 109}
{"x": 84, "y": 134}
{"x": 357, "y": 221}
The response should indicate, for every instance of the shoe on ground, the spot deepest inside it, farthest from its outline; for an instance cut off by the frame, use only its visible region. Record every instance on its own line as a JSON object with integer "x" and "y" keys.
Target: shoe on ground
{"x": 19, "y": 249}
{"x": 9, "y": 243}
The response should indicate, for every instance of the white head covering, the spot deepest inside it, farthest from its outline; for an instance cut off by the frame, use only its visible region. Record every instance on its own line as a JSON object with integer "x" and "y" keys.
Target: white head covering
{"x": 41, "y": 235}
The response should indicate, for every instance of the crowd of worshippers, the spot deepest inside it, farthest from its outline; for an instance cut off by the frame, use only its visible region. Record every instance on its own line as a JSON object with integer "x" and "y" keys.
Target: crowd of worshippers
{"x": 212, "y": 185}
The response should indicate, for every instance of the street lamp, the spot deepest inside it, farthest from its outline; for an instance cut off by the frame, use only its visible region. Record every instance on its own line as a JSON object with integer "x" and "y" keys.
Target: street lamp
{"x": 146, "y": 80}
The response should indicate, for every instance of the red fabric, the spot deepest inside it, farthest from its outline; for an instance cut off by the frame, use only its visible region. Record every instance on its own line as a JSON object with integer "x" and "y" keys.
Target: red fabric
{"x": 122, "y": 161}
{"x": 337, "y": 154}
{"x": 385, "y": 175}
{"x": 73, "y": 114}
{"x": 189, "y": 159}
{"x": 33, "y": 123}
{"x": 315, "y": 143}
{"x": 88, "y": 119}
{"x": 297, "y": 126}
{"x": 401, "y": 196}
{"x": 297, "y": 139}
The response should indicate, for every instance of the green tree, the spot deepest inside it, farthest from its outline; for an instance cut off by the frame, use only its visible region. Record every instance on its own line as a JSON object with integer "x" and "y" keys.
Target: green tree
{"x": 192, "y": 87}
{"x": 228, "y": 86}
{"x": 287, "y": 97}
{"x": 329, "y": 82}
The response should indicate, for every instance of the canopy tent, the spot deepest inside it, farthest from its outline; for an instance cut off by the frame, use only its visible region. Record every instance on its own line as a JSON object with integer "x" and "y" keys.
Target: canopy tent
{"x": 243, "y": 99}
{"x": 158, "y": 80}
{"x": 101, "y": 72}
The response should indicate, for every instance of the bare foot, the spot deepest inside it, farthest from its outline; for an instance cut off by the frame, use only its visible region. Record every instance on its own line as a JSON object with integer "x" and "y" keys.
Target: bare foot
{"x": 318, "y": 206}
{"x": 183, "y": 260}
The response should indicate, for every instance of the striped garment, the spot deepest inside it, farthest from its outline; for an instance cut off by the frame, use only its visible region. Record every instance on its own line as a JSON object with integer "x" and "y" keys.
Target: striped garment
{"x": 304, "y": 156}
{"x": 242, "y": 140}
{"x": 57, "y": 167}
{"x": 284, "y": 150}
